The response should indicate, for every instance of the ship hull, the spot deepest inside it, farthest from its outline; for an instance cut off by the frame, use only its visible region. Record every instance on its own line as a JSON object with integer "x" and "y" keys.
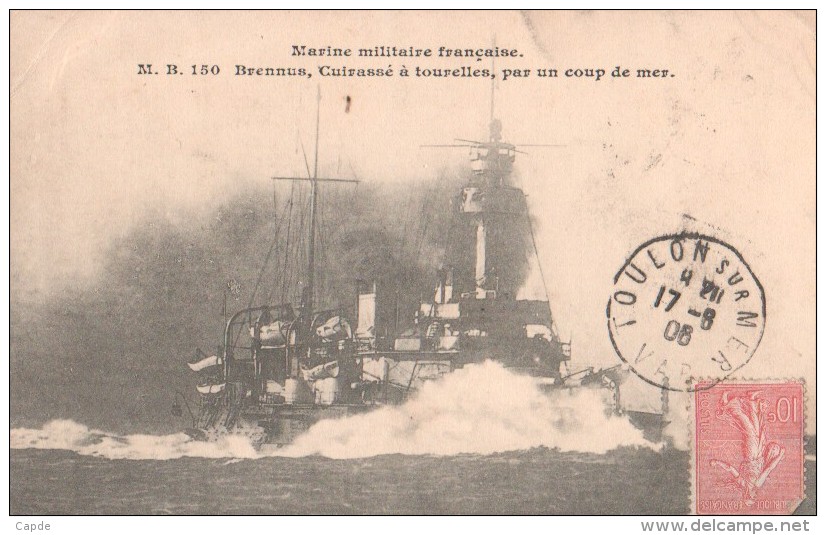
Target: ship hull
{"x": 278, "y": 425}
{"x": 282, "y": 424}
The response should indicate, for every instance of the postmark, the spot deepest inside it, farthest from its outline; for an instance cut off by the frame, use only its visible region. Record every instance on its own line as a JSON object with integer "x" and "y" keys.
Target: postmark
{"x": 747, "y": 450}
{"x": 684, "y": 306}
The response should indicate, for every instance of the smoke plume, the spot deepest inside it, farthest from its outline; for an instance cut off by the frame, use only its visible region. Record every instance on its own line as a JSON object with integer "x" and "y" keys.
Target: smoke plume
{"x": 113, "y": 352}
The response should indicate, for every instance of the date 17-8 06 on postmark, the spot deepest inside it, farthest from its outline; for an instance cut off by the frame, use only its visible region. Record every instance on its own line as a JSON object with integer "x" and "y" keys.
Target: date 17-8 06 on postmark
{"x": 685, "y": 306}
{"x": 748, "y": 447}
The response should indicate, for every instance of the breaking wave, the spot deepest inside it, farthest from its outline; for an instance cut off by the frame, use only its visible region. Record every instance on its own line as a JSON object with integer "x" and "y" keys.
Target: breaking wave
{"x": 72, "y": 436}
{"x": 479, "y": 409}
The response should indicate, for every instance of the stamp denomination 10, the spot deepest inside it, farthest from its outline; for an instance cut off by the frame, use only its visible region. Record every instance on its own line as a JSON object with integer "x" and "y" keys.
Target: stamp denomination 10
{"x": 685, "y": 306}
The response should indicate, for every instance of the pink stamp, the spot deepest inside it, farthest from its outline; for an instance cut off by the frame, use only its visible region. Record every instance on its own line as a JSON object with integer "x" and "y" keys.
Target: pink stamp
{"x": 748, "y": 448}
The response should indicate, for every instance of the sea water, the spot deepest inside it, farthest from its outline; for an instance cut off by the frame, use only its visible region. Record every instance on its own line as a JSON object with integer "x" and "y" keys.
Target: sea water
{"x": 482, "y": 440}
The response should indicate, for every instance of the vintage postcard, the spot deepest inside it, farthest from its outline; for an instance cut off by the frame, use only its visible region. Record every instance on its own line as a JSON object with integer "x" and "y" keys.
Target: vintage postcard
{"x": 412, "y": 263}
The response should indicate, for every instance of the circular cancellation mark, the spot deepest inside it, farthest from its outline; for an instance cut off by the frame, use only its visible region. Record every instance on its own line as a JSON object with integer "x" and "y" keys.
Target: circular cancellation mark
{"x": 685, "y": 306}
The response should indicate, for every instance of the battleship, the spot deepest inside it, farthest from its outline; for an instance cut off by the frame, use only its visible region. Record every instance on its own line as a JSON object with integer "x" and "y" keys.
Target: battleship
{"x": 282, "y": 366}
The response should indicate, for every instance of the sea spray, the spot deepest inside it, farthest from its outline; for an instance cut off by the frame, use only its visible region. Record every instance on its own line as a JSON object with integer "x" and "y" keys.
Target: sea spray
{"x": 70, "y": 435}
{"x": 479, "y": 409}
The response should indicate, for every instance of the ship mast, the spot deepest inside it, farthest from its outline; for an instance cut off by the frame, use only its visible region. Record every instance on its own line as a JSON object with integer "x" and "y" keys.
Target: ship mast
{"x": 307, "y": 301}
{"x": 481, "y": 229}
{"x": 307, "y": 297}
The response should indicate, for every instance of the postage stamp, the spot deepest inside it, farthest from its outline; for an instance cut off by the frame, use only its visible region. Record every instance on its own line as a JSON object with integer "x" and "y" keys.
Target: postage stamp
{"x": 685, "y": 305}
{"x": 747, "y": 451}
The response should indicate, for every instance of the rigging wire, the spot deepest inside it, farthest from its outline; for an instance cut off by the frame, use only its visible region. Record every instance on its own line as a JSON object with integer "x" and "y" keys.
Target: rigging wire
{"x": 284, "y": 215}
{"x": 261, "y": 272}
{"x": 424, "y": 221}
{"x": 290, "y": 264}
{"x": 302, "y": 251}
{"x": 295, "y": 258}
{"x": 275, "y": 218}
{"x": 322, "y": 259}
{"x": 264, "y": 266}
{"x": 287, "y": 244}
{"x": 401, "y": 249}
{"x": 326, "y": 282}
{"x": 538, "y": 260}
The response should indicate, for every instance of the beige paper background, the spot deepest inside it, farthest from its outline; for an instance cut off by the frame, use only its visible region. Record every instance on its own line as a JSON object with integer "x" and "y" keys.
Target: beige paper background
{"x": 726, "y": 147}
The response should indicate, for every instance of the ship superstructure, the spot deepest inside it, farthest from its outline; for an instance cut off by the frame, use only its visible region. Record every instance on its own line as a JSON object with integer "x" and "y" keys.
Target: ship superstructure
{"x": 283, "y": 366}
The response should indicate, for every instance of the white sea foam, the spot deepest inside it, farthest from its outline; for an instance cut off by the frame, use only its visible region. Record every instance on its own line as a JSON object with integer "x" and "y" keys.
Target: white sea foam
{"x": 480, "y": 409}
{"x": 70, "y": 435}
